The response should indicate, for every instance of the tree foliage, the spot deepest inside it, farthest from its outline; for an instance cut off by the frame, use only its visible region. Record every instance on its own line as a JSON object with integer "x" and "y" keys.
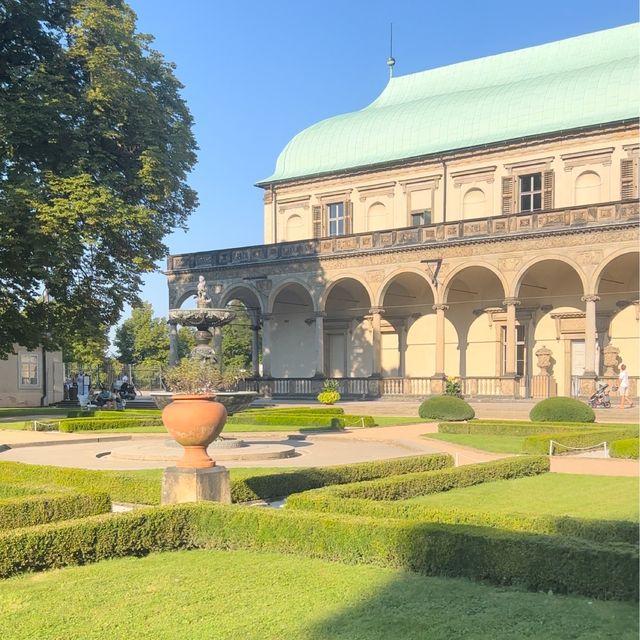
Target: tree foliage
{"x": 236, "y": 339}
{"x": 95, "y": 148}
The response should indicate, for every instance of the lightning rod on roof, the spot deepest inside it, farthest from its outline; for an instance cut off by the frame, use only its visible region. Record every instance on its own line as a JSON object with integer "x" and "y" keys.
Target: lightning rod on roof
{"x": 391, "y": 60}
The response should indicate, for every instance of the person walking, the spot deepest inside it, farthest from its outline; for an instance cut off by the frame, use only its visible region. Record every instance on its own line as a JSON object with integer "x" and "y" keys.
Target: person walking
{"x": 623, "y": 387}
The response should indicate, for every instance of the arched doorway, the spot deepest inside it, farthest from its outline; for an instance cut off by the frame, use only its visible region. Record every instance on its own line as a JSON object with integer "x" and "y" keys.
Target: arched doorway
{"x": 551, "y": 313}
{"x": 347, "y": 330}
{"x": 407, "y": 327}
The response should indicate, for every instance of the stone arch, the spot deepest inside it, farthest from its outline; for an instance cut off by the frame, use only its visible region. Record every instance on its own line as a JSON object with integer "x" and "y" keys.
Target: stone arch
{"x": 239, "y": 291}
{"x": 474, "y": 203}
{"x": 382, "y": 291}
{"x": 517, "y": 281}
{"x": 182, "y": 298}
{"x": 340, "y": 279}
{"x": 446, "y": 285}
{"x": 600, "y": 269}
{"x": 287, "y": 283}
{"x": 587, "y": 188}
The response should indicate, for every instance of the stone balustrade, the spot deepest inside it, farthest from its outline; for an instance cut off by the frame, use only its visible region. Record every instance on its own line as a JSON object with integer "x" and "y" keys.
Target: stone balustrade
{"x": 444, "y": 234}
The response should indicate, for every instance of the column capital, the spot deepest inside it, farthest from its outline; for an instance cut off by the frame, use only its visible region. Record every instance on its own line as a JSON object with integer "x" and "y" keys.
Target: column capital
{"x": 511, "y": 302}
{"x": 320, "y": 314}
{"x": 375, "y": 310}
{"x": 266, "y": 317}
{"x": 590, "y": 297}
{"x": 440, "y": 307}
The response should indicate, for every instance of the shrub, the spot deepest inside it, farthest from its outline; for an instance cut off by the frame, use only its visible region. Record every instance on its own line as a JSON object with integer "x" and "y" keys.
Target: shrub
{"x": 40, "y": 509}
{"x": 330, "y": 393}
{"x": 627, "y": 448}
{"x": 562, "y": 409}
{"x": 329, "y": 411}
{"x": 107, "y": 424}
{"x": 424, "y": 483}
{"x": 452, "y": 387}
{"x": 278, "y": 485}
{"x": 596, "y": 530}
{"x": 446, "y": 408}
{"x": 81, "y": 413}
{"x": 501, "y": 557}
{"x": 305, "y": 420}
{"x": 576, "y": 439}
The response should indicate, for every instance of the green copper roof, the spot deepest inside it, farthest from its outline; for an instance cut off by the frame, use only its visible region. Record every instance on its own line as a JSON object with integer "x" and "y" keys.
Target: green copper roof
{"x": 588, "y": 80}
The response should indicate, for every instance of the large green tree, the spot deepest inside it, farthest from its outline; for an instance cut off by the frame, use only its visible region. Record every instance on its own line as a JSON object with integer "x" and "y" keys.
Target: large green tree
{"x": 95, "y": 148}
{"x": 144, "y": 340}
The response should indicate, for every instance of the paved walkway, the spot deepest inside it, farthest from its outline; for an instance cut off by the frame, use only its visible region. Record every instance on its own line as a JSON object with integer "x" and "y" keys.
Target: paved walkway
{"x": 354, "y": 445}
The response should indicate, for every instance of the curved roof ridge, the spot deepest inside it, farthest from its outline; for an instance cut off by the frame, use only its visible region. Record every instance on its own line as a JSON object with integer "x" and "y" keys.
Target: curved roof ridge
{"x": 552, "y": 87}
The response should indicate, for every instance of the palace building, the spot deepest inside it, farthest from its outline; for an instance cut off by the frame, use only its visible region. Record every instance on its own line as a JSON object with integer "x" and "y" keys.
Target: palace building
{"x": 478, "y": 220}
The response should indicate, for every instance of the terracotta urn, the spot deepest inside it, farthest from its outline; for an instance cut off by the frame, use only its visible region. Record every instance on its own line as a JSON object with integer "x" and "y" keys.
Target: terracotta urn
{"x": 194, "y": 421}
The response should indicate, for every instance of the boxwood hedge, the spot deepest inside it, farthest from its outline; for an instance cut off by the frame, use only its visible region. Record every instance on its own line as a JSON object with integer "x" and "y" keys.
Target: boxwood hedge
{"x": 107, "y": 424}
{"x": 40, "y": 509}
{"x": 562, "y": 565}
{"x": 424, "y": 483}
{"x": 510, "y": 429}
{"x": 562, "y": 409}
{"x": 597, "y": 530}
{"x": 446, "y": 408}
{"x": 309, "y": 420}
{"x": 627, "y": 448}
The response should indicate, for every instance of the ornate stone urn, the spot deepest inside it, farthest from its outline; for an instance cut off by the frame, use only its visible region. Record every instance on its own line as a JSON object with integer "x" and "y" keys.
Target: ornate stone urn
{"x": 610, "y": 360}
{"x": 194, "y": 421}
{"x": 544, "y": 360}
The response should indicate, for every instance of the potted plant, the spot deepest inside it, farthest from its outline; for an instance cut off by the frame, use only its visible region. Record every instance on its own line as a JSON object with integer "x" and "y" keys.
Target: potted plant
{"x": 330, "y": 393}
{"x": 194, "y": 418}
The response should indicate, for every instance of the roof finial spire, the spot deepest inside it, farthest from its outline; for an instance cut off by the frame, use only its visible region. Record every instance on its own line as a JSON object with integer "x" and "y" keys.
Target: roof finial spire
{"x": 391, "y": 60}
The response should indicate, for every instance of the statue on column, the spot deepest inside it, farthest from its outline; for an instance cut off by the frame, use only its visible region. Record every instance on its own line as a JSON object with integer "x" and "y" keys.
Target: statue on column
{"x": 203, "y": 299}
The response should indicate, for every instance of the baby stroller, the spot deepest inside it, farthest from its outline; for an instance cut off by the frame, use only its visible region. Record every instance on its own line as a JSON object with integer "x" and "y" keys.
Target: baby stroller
{"x": 600, "y": 398}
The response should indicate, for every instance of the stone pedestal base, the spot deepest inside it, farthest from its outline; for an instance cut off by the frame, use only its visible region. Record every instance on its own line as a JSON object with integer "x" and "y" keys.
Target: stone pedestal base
{"x": 195, "y": 485}
{"x": 543, "y": 386}
{"x": 588, "y": 384}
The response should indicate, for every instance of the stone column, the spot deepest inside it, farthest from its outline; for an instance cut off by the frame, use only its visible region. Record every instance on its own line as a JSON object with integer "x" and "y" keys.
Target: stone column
{"x": 173, "y": 344}
{"x": 439, "y": 309}
{"x": 266, "y": 345}
{"x": 255, "y": 350}
{"x": 319, "y": 318}
{"x": 510, "y": 359}
{"x": 376, "y": 319}
{"x": 590, "y": 335}
{"x": 402, "y": 349}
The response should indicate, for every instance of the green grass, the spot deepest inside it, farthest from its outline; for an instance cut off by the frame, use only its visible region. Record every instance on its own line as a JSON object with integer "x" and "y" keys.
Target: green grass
{"x": 11, "y": 412}
{"x": 580, "y": 496}
{"x": 239, "y": 594}
{"x": 495, "y": 444}
{"x": 392, "y": 421}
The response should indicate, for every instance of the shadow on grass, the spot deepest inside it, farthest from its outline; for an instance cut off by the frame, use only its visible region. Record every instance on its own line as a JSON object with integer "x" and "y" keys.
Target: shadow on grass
{"x": 413, "y": 607}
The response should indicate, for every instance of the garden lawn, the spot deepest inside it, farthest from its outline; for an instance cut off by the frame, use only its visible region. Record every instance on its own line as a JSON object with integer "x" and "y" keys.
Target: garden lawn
{"x": 239, "y": 594}
{"x": 495, "y": 444}
{"x": 580, "y": 496}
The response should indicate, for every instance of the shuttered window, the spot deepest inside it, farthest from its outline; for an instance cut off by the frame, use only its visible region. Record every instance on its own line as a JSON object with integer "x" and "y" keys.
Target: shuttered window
{"x": 348, "y": 217}
{"x": 629, "y": 178}
{"x": 336, "y": 218}
{"x": 547, "y": 190}
{"x": 508, "y": 194}
{"x": 531, "y": 192}
{"x": 316, "y": 213}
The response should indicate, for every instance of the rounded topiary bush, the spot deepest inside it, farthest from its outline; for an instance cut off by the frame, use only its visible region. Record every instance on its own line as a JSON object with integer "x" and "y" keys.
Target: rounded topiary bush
{"x": 562, "y": 409}
{"x": 447, "y": 408}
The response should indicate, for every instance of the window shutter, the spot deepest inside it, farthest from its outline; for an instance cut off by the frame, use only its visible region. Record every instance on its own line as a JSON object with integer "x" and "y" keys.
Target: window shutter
{"x": 348, "y": 217}
{"x": 628, "y": 178}
{"x": 547, "y": 190}
{"x": 508, "y": 194}
{"x": 317, "y": 221}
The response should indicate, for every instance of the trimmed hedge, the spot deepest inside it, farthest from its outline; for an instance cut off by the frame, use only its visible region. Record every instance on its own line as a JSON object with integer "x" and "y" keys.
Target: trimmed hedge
{"x": 590, "y": 529}
{"x": 498, "y": 429}
{"x": 446, "y": 408}
{"x": 500, "y": 557}
{"x": 424, "y": 483}
{"x": 107, "y": 424}
{"x": 562, "y": 409}
{"x": 627, "y": 448}
{"x": 279, "y": 485}
{"x": 40, "y": 509}
{"x": 311, "y": 420}
{"x": 323, "y": 411}
{"x": 576, "y": 439}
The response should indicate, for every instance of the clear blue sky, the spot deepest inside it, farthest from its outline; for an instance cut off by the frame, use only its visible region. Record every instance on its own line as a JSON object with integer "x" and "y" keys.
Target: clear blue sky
{"x": 258, "y": 72}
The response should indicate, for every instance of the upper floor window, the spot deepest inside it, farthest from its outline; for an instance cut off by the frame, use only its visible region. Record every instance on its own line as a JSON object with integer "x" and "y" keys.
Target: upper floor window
{"x": 336, "y": 219}
{"x": 29, "y": 375}
{"x": 418, "y": 218}
{"x": 531, "y": 192}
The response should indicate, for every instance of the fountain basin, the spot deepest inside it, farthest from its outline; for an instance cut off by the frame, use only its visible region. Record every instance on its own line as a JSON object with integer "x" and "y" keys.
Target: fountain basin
{"x": 202, "y": 317}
